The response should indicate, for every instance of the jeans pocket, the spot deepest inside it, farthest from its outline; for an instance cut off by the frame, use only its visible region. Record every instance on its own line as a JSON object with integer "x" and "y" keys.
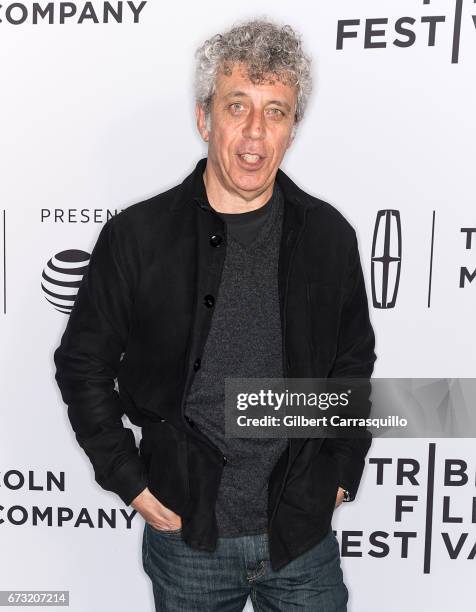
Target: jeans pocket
{"x": 145, "y": 549}
{"x": 165, "y": 531}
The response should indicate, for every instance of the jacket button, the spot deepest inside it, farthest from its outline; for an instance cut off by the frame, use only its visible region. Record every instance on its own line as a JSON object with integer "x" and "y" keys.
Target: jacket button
{"x": 196, "y": 364}
{"x": 209, "y": 300}
{"x": 224, "y": 459}
{"x": 216, "y": 240}
{"x": 187, "y": 418}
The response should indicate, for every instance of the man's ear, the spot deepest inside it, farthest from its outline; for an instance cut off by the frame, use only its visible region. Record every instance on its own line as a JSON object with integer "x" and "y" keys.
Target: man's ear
{"x": 201, "y": 121}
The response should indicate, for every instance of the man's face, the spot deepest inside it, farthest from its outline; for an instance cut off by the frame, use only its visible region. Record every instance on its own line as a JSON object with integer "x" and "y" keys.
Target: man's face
{"x": 251, "y": 128}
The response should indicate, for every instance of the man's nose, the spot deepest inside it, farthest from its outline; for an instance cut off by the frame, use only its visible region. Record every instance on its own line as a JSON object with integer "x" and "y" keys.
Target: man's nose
{"x": 255, "y": 125}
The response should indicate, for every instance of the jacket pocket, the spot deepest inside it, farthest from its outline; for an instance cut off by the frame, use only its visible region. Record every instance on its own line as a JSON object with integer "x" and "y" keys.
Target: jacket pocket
{"x": 168, "y": 471}
{"x": 313, "y": 486}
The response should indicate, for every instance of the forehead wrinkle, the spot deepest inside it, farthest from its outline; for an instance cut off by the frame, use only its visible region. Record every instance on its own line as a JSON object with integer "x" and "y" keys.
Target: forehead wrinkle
{"x": 233, "y": 94}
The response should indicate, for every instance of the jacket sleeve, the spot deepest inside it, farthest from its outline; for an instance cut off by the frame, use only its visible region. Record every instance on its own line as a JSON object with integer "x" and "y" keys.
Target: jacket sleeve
{"x": 87, "y": 361}
{"x": 355, "y": 358}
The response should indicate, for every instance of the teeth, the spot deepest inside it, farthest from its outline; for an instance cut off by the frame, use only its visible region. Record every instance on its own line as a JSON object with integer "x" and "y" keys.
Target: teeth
{"x": 250, "y": 158}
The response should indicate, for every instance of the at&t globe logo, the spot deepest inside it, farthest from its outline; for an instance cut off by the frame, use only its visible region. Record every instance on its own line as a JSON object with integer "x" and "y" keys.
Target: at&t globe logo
{"x": 62, "y": 277}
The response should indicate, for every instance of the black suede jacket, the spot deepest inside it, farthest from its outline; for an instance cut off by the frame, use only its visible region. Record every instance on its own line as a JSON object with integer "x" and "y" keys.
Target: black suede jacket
{"x": 142, "y": 315}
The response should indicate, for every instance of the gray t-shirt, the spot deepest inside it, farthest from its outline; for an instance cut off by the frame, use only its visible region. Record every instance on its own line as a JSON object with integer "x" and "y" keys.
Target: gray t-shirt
{"x": 244, "y": 341}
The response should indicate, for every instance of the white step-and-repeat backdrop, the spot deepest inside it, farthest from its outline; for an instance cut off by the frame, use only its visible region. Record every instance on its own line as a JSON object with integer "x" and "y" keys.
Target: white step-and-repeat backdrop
{"x": 96, "y": 113}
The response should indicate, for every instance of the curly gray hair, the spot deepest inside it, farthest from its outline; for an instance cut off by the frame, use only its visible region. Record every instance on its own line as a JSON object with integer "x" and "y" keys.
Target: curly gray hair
{"x": 265, "y": 48}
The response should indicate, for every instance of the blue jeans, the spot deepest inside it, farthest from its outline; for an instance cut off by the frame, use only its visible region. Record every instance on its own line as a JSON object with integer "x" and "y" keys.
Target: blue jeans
{"x": 189, "y": 580}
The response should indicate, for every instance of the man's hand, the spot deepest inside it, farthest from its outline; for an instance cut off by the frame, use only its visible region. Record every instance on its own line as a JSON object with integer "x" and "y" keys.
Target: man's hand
{"x": 340, "y": 496}
{"x": 155, "y": 513}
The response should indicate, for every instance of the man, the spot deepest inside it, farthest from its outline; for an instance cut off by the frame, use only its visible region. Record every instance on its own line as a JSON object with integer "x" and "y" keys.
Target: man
{"x": 236, "y": 272}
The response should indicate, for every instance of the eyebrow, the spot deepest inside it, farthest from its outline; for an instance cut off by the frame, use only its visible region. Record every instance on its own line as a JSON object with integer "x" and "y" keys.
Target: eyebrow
{"x": 237, "y": 94}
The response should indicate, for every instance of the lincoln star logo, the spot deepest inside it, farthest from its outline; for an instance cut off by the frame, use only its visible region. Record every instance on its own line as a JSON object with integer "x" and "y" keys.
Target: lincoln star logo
{"x": 386, "y": 258}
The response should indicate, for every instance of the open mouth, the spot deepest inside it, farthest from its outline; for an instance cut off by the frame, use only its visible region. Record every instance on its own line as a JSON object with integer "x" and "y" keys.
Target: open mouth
{"x": 250, "y": 157}
{"x": 251, "y": 160}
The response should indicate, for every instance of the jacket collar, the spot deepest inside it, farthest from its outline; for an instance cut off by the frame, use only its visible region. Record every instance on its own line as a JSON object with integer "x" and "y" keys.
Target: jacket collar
{"x": 193, "y": 189}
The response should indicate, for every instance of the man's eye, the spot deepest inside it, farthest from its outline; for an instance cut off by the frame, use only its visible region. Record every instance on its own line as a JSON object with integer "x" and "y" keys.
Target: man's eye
{"x": 276, "y": 112}
{"x": 236, "y": 106}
